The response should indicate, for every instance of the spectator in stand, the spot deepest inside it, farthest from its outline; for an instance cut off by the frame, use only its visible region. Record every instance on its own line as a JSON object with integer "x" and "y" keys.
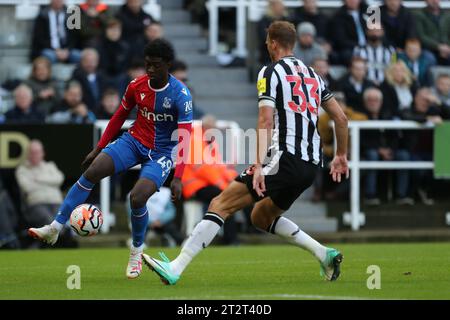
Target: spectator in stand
{"x": 206, "y": 180}
{"x": 377, "y": 54}
{"x": 51, "y": 38}
{"x": 398, "y": 89}
{"x": 275, "y": 11}
{"x": 433, "y": 29}
{"x": 94, "y": 17}
{"x": 382, "y": 145}
{"x": 347, "y": 30}
{"x": 152, "y": 32}
{"x": 327, "y": 137}
{"x": 179, "y": 70}
{"x": 355, "y": 83}
{"x": 24, "y": 110}
{"x": 398, "y": 23}
{"x": 441, "y": 89}
{"x": 134, "y": 20}
{"x": 417, "y": 61}
{"x": 322, "y": 68}
{"x": 45, "y": 91}
{"x": 39, "y": 182}
{"x": 309, "y": 12}
{"x": 307, "y": 49}
{"x": 91, "y": 79}
{"x": 420, "y": 143}
{"x": 114, "y": 53}
{"x": 135, "y": 70}
{"x": 72, "y": 110}
{"x": 109, "y": 104}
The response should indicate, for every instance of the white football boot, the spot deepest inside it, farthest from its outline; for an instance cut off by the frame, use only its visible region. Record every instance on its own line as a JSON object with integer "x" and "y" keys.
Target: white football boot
{"x": 134, "y": 267}
{"x": 47, "y": 234}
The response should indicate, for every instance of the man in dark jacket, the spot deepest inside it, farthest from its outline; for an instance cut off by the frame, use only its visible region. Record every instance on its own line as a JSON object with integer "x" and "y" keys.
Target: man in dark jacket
{"x": 23, "y": 111}
{"x": 51, "y": 37}
{"x": 309, "y": 12}
{"x": 347, "y": 28}
{"x": 355, "y": 83}
{"x": 433, "y": 29}
{"x": 134, "y": 20}
{"x": 379, "y": 144}
{"x": 91, "y": 79}
{"x": 114, "y": 53}
{"x": 398, "y": 23}
{"x": 420, "y": 143}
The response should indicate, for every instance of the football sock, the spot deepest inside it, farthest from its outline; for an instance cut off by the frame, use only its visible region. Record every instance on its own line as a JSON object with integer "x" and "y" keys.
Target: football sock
{"x": 288, "y": 230}
{"x": 76, "y": 196}
{"x": 202, "y": 235}
{"x": 139, "y": 224}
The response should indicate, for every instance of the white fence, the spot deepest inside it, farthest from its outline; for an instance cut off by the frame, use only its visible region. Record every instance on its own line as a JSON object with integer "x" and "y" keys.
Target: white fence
{"x": 252, "y": 10}
{"x": 105, "y": 201}
{"x": 355, "y": 217}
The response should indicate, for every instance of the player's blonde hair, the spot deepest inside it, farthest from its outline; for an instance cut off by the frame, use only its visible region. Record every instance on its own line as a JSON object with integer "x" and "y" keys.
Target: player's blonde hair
{"x": 408, "y": 77}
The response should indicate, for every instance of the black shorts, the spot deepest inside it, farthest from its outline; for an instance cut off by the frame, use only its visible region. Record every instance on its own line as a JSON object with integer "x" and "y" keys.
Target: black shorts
{"x": 286, "y": 177}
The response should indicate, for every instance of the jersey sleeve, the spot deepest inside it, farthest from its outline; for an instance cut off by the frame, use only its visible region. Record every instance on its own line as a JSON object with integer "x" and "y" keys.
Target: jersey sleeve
{"x": 326, "y": 93}
{"x": 184, "y": 106}
{"x": 267, "y": 86}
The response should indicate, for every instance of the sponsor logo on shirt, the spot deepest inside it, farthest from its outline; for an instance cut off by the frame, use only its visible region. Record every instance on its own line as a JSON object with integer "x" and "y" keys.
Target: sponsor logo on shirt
{"x": 156, "y": 117}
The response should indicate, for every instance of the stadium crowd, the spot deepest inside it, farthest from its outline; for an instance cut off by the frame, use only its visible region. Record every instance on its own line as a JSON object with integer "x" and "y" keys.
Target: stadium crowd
{"x": 389, "y": 76}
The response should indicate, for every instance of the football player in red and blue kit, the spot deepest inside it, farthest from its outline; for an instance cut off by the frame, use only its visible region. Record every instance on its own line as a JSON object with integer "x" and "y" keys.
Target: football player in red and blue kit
{"x": 164, "y": 105}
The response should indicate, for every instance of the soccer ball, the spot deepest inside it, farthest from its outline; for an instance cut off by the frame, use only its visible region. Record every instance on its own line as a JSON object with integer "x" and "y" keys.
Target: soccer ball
{"x": 86, "y": 220}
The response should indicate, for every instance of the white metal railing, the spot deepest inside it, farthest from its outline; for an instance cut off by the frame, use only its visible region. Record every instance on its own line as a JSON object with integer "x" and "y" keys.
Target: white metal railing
{"x": 105, "y": 202}
{"x": 253, "y": 10}
{"x": 355, "y": 217}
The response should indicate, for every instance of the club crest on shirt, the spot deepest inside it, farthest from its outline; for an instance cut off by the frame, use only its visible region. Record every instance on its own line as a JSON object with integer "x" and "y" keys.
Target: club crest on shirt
{"x": 142, "y": 96}
{"x": 184, "y": 91}
{"x": 166, "y": 103}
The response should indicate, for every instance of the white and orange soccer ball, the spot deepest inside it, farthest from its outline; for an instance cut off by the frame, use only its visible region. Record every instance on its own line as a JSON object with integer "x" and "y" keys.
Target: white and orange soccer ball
{"x": 86, "y": 220}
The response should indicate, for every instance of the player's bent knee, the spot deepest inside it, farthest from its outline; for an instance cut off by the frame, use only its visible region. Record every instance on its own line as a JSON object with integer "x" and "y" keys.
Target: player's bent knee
{"x": 101, "y": 167}
{"x": 261, "y": 221}
{"x": 138, "y": 199}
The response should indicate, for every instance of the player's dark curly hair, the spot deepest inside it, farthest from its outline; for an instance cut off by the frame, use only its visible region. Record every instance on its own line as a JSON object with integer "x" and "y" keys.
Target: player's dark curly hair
{"x": 160, "y": 48}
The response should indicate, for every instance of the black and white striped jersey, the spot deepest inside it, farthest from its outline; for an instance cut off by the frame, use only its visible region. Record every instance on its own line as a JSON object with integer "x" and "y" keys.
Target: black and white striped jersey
{"x": 295, "y": 91}
{"x": 378, "y": 58}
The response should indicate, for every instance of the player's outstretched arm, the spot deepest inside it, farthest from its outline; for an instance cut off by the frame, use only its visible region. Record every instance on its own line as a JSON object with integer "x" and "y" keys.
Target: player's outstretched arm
{"x": 339, "y": 165}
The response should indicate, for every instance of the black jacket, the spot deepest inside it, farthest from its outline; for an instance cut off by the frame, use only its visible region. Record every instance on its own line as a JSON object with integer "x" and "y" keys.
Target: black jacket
{"x": 16, "y": 115}
{"x": 115, "y": 56}
{"x": 133, "y": 25}
{"x": 399, "y": 28}
{"x": 390, "y": 99}
{"x": 319, "y": 20}
{"x": 343, "y": 29}
{"x": 354, "y": 98}
{"x": 379, "y": 138}
{"x": 89, "y": 99}
{"x": 41, "y": 34}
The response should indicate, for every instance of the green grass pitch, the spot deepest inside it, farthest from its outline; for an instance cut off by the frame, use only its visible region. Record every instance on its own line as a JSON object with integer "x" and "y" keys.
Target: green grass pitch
{"x": 408, "y": 271}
